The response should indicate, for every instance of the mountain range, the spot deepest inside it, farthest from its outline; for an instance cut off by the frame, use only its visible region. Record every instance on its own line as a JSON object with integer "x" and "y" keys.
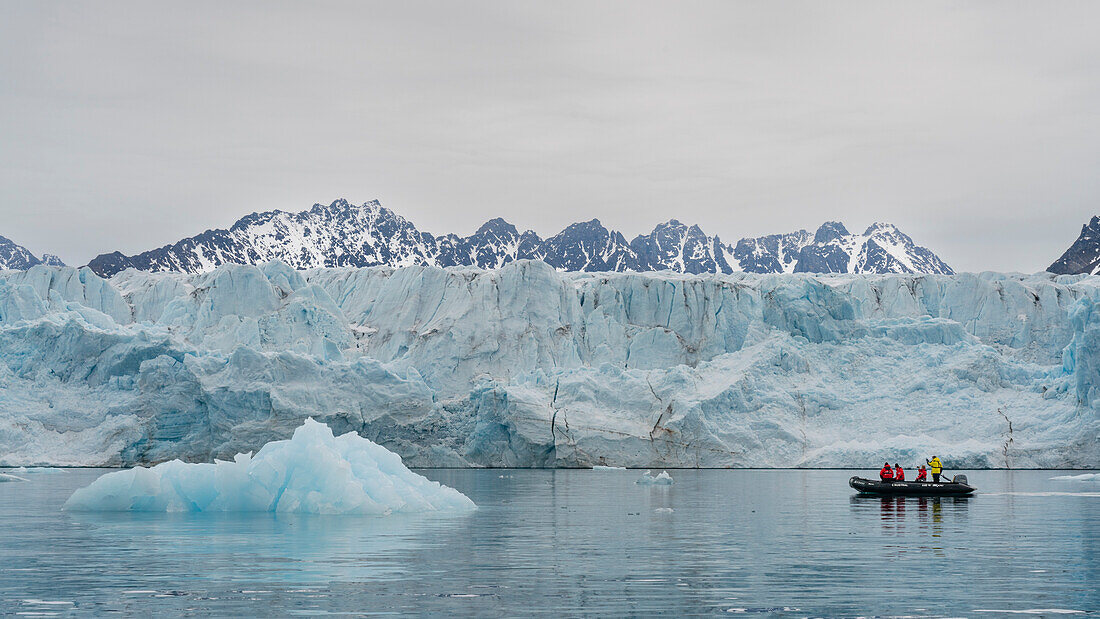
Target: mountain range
{"x": 14, "y": 256}
{"x": 343, "y": 234}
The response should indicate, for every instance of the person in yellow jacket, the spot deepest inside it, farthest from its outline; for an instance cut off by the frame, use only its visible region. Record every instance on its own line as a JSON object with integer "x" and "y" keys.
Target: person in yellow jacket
{"x": 937, "y": 467}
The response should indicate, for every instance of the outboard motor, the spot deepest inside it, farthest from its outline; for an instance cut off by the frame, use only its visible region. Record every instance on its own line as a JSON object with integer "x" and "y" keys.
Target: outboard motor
{"x": 959, "y": 479}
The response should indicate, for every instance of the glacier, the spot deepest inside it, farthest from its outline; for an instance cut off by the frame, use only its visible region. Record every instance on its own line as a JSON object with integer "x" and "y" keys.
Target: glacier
{"x": 526, "y": 366}
{"x": 312, "y": 473}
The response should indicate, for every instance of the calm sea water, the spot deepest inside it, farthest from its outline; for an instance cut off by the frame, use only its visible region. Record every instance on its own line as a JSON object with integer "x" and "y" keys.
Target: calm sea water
{"x": 568, "y": 542}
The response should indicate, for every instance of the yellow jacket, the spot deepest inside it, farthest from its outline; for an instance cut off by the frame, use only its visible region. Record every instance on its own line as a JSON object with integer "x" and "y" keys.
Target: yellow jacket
{"x": 935, "y": 465}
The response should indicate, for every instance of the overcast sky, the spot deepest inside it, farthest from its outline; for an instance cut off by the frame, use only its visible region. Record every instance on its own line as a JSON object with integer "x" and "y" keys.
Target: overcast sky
{"x": 975, "y": 127}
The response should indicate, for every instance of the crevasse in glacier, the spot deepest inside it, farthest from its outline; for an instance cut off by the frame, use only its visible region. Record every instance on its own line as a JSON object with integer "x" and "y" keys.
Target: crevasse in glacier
{"x": 527, "y": 366}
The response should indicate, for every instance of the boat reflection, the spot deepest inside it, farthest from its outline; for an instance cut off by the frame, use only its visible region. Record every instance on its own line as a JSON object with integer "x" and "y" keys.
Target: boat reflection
{"x": 934, "y": 518}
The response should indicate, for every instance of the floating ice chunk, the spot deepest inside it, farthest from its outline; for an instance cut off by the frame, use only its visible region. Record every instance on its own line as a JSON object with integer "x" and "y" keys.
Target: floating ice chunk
{"x": 600, "y": 467}
{"x": 664, "y": 510}
{"x": 6, "y": 477}
{"x": 45, "y": 470}
{"x": 1043, "y": 494}
{"x": 1033, "y": 611}
{"x": 664, "y": 479}
{"x": 313, "y": 472}
{"x": 1083, "y": 477}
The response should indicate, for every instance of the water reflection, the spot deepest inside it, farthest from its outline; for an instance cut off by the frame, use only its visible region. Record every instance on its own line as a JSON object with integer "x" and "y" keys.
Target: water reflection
{"x": 570, "y": 543}
{"x": 306, "y": 548}
{"x": 928, "y": 518}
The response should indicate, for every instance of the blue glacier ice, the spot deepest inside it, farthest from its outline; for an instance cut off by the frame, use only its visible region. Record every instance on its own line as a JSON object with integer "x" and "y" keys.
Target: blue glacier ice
{"x": 1082, "y": 477}
{"x": 528, "y": 366}
{"x": 660, "y": 479}
{"x": 312, "y": 473}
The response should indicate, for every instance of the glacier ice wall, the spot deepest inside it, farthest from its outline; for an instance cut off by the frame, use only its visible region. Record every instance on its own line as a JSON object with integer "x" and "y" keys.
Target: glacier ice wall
{"x": 527, "y": 366}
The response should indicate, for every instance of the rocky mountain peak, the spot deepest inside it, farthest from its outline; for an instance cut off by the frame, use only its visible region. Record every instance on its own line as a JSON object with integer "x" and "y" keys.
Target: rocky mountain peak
{"x": 1083, "y": 256}
{"x": 830, "y": 231}
{"x": 16, "y": 257}
{"x": 344, "y": 234}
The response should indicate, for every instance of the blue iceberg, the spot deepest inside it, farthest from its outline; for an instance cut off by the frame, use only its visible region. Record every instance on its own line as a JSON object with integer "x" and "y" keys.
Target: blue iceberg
{"x": 312, "y": 473}
{"x": 663, "y": 479}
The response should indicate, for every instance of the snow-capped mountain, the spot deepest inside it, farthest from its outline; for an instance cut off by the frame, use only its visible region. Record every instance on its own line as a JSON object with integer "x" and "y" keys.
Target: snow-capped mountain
{"x": 1084, "y": 255}
{"x": 495, "y": 244}
{"x": 344, "y": 234}
{"x": 16, "y": 257}
{"x": 882, "y": 248}
{"x": 340, "y": 234}
{"x": 774, "y": 253}
{"x": 686, "y": 249}
{"x": 588, "y": 246}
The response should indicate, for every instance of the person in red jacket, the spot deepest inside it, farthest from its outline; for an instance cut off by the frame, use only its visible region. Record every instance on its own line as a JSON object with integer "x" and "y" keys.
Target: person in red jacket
{"x": 899, "y": 473}
{"x": 886, "y": 474}
{"x": 922, "y": 474}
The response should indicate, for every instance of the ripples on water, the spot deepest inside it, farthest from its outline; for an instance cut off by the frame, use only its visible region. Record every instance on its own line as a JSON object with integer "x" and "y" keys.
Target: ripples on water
{"x": 568, "y": 542}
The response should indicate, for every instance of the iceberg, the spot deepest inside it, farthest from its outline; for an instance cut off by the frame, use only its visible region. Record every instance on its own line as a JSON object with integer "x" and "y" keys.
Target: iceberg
{"x": 312, "y": 473}
{"x": 526, "y": 366}
{"x": 8, "y": 477}
{"x": 1082, "y": 477}
{"x": 663, "y": 479}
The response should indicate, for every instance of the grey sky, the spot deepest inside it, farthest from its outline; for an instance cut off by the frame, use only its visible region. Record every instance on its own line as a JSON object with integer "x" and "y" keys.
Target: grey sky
{"x": 975, "y": 127}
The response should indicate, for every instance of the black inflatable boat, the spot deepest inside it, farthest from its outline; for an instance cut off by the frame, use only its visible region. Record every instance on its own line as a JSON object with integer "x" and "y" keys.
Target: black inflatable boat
{"x": 956, "y": 487}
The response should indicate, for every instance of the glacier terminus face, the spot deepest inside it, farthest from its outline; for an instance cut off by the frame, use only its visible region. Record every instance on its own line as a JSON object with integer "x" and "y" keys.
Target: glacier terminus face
{"x": 529, "y": 366}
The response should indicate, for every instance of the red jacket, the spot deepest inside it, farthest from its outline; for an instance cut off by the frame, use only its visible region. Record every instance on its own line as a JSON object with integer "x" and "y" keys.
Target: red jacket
{"x": 899, "y": 474}
{"x": 886, "y": 474}
{"x": 922, "y": 474}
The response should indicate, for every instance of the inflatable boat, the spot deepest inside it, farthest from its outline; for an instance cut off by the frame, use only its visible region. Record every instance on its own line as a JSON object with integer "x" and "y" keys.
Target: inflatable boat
{"x": 956, "y": 487}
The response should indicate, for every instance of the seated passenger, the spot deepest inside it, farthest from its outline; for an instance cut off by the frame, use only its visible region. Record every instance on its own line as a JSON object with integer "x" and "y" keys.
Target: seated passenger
{"x": 886, "y": 474}
{"x": 899, "y": 473}
{"x": 922, "y": 473}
